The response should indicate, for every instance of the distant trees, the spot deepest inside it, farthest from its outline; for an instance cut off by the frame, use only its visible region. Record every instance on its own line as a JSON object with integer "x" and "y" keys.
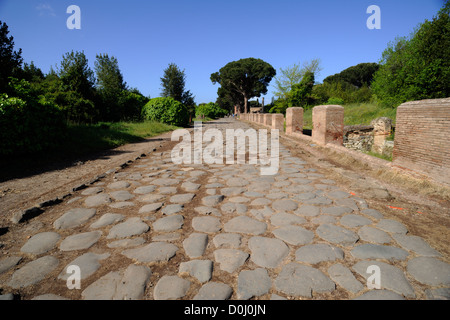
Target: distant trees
{"x": 416, "y": 67}
{"x": 358, "y": 76}
{"x": 173, "y": 85}
{"x": 10, "y": 59}
{"x": 243, "y": 79}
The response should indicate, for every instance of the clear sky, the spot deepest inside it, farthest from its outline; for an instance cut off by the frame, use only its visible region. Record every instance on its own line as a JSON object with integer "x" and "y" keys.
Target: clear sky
{"x": 201, "y": 36}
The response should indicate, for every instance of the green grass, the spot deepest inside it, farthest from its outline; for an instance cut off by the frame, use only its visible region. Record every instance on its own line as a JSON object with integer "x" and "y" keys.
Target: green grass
{"x": 88, "y": 138}
{"x": 381, "y": 156}
{"x": 360, "y": 113}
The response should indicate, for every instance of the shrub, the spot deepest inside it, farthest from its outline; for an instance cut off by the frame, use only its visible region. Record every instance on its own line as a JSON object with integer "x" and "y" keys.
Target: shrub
{"x": 166, "y": 110}
{"x": 29, "y": 126}
{"x": 210, "y": 110}
{"x": 337, "y": 101}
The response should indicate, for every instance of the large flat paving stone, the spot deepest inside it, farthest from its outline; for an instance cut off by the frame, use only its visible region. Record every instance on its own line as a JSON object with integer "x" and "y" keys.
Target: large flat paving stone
{"x": 380, "y": 295}
{"x": 33, "y": 272}
{"x": 88, "y": 263}
{"x": 214, "y": 291}
{"x": 199, "y": 269}
{"x": 315, "y": 253}
{"x": 415, "y": 244}
{"x": 246, "y": 225}
{"x": 97, "y": 200}
{"x": 182, "y": 198}
{"x": 374, "y": 235}
{"x": 195, "y": 244}
{"x": 121, "y": 195}
{"x": 375, "y": 251}
{"x": 131, "y": 227}
{"x": 212, "y": 201}
{"x": 392, "y": 226}
{"x": 294, "y": 235}
{"x": 80, "y": 241}
{"x": 7, "y": 263}
{"x": 170, "y": 223}
{"x": 171, "y": 288}
{"x": 253, "y": 283}
{"x": 336, "y": 234}
{"x": 230, "y": 259}
{"x": 206, "y": 224}
{"x": 153, "y": 252}
{"x": 284, "y": 205}
{"x": 106, "y": 220}
{"x": 41, "y": 243}
{"x": 428, "y": 270}
{"x": 300, "y": 280}
{"x": 391, "y": 278}
{"x": 283, "y": 219}
{"x": 267, "y": 252}
{"x": 354, "y": 220}
{"x": 74, "y": 218}
{"x": 345, "y": 278}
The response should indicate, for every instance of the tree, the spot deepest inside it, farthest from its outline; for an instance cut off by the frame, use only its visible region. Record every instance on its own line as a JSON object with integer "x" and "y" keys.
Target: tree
{"x": 416, "y": 67}
{"x": 300, "y": 94}
{"x": 358, "y": 76}
{"x": 247, "y": 78}
{"x": 10, "y": 60}
{"x": 110, "y": 85}
{"x": 76, "y": 75}
{"x": 173, "y": 85}
{"x": 292, "y": 75}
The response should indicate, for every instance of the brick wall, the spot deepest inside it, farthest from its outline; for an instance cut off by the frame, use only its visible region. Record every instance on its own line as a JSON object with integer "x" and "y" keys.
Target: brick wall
{"x": 422, "y": 138}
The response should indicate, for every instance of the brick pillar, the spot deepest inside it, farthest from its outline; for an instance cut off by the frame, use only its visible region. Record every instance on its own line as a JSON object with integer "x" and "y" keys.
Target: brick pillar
{"x": 278, "y": 121}
{"x": 267, "y": 119}
{"x": 294, "y": 120}
{"x": 328, "y": 124}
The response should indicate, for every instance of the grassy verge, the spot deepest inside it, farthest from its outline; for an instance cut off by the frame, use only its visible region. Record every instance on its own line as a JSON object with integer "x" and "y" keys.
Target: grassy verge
{"x": 359, "y": 113}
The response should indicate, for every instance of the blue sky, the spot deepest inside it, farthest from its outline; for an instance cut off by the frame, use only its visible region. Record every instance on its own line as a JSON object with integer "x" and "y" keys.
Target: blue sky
{"x": 201, "y": 36}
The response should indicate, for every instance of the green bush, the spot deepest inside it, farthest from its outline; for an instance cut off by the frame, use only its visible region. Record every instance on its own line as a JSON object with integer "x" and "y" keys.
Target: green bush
{"x": 210, "y": 110}
{"x": 29, "y": 126}
{"x": 166, "y": 110}
{"x": 334, "y": 100}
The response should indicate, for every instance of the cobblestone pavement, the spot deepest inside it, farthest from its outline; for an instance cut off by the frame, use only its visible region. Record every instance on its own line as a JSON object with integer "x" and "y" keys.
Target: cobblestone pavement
{"x": 156, "y": 230}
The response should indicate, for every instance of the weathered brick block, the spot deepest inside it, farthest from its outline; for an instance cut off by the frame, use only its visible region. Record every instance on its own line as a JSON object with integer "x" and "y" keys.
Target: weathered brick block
{"x": 267, "y": 119}
{"x": 278, "y": 121}
{"x": 328, "y": 124}
{"x": 294, "y": 120}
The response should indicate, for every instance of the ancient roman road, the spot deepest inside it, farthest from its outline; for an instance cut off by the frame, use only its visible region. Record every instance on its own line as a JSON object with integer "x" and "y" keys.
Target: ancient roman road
{"x": 157, "y": 230}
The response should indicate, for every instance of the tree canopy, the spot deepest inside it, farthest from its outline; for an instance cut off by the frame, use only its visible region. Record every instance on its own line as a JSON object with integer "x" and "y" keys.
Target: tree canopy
{"x": 173, "y": 85}
{"x": 358, "y": 76}
{"x": 245, "y": 78}
{"x": 10, "y": 59}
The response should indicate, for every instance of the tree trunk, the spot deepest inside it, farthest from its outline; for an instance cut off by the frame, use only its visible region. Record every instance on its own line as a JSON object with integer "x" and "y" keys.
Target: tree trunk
{"x": 245, "y": 104}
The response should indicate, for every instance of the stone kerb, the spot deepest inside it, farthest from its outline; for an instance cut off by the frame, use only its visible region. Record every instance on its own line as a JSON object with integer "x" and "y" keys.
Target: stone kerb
{"x": 382, "y": 128}
{"x": 278, "y": 121}
{"x": 328, "y": 124}
{"x": 294, "y": 120}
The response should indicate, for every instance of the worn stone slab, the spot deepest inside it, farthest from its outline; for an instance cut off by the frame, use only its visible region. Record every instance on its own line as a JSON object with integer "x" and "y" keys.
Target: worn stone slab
{"x": 345, "y": 278}
{"x": 104, "y": 288}
{"x": 182, "y": 198}
{"x": 230, "y": 259}
{"x": 231, "y": 191}
{"x": 172, "y": 209}
{"x": 391, "y": 278}
{"x": 91, "y": 191}
{"x": 380, "y": 295}
{"x": 374, "y": 235}
{"x": 324, "y": 219}
{"x": 152, "y": 198}
{"x": 165, "y": 182}
{"x": 284, "y": 205}
{"x": 315, "y": 253}
{"x": 236, "y": 182}
{"x": 428, "y": 270}
{"x": 294, "y": 235}
{"x": 415, "y": 244}
{"x": 375, "y": 251}
{"x": 211, "y": 201}
{"x": 41, "y": 243}
{"x": 267, "y": 252}
{"x": 392, "y": 226}
{"x": 8, "y": 263}
{"x": 438, "y": 294}
{"x": 253, "y": 283}
{"x": 88, "y": 263}
{"x": 195, "y": 245}
{"x": 300, "y": 280}
{"x": 144, "y": 189}
{"x": 126, "y": 243}
{"x": 74, "y": 218}
{"x": 170, "y": 223}
{"x": 372, "y": 213}
{"x": 122, "y": 204}
{"x": 307, "y": 211}
{"x": 33, "y": 272}
{"x": 80, "y": 241}
{"x": 49, "y": 296}
{"x": 336, "y": 234}
{"x": 354, "y": 220}
{"x": 260, "y": 202}
{"x": 199, "y": 269}
{"x": 131, "y": 227}
{"x": 106, "y": 220}
{"x": 229, "y": 208}
{"x": 121, "y": 195}
{"x": 337, "y": 210}
{"x": 214, "y": 291}
{"x": 97, "y": 200}
{"x": 206, "y": 224}
{"x": 133, "y": 283}
{"x": 231, "y": 240}
{"x": 119, "y": 185}
{"x": 247, "y": 225}
{"x": 190, "y": 186}
{"x": 153, "y": 252}
{"x": 171, "y": 288}
{"x": 283, "y": 219}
